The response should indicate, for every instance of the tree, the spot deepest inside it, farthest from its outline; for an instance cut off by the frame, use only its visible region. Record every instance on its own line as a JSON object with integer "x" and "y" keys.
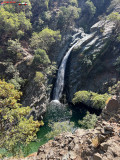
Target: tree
{"x": 90, "y": 7}
{"x": 41, "y": 58}
{"x": 15, "y": 128}
{"x": 19, "y": 8}
{"x": 67, "y": 17}
{"x": 45, "y": 39}
{"x": 11, "y": 23}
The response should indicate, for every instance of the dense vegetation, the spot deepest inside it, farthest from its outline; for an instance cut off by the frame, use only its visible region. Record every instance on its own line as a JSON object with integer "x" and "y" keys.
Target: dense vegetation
{"x": 29, "y": 36}
{"x": 88, "y": 121}
{"x": 92, "y": 99}
{"x": 15, "y": 128}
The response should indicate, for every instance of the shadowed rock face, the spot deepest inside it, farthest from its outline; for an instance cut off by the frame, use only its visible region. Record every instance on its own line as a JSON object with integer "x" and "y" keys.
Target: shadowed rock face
{"x": 91, "y": 66}
{"x": 35, "y": 97}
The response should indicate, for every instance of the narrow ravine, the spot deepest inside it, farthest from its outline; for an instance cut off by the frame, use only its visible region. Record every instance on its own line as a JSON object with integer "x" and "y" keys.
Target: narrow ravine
{"x": 76, "y": 42}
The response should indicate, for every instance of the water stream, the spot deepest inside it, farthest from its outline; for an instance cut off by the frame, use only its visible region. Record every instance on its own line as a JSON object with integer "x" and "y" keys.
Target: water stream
{"x": 76, "y": 42}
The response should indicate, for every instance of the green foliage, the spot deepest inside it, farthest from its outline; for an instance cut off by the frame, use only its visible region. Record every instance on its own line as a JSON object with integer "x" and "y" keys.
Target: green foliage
{"x": 41, "y": 58}
{"x": 13, "y": 77}
{"x": 11, "y": 23}
{"x": 88, "y": 121}
{"x": 45, "y": 39}
{"x": 59, "y": 127}
{"x": 91, "y": 8}
{"x": 39, "y": 77}
{"x": 15, "y": 128}
{"x": 115, "y": 17}
{"x": 14, "y": 47}
{"x": 17, "y": 9}
{"x": 67, "y": 16}
{"x": 73, "y": 2}
{"x": 81, "y": 96}
{"x": 98, "y": 101}
{"x": 1, "y": 51}
{"x": 93, "y": 99}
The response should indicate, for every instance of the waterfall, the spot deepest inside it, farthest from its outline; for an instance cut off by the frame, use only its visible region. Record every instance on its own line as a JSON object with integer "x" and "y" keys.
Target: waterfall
{"x": 59, "y": 85}
{"x": 57, "y": 92}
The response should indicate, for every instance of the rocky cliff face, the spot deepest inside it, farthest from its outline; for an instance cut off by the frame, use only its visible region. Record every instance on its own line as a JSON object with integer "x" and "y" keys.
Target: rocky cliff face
{"x": 34, "y": 94}
{"x": 91, "y": 66}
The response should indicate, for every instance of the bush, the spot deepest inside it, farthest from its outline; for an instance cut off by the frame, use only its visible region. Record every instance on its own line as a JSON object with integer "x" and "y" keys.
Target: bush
{"x": 14, "y": 47}
{"x": 91, "y": 8}
{"x": 45, "y": 39}
{"x": 59, "y": 127}
{"x": 39, "y": 78}
{"x": 92, "y": 99}
{"x": 41, "y": 57}
{"x": 81, "y": 96}
{"x": 88, "y": 121}
{"x": 15, "y": 128}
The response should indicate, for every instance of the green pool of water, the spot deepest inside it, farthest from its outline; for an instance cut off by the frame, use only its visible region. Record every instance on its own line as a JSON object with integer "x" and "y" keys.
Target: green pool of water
{"x": 55, "y": 113}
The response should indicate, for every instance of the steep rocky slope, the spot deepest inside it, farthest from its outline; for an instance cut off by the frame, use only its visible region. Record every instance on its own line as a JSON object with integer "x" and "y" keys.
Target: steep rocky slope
{"x": 91, "y": 66}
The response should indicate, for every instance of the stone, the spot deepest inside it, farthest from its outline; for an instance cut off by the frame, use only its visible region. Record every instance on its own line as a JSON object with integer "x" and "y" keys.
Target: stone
{"x": 112, "y": 105}
{"x": 104, "y": 146}
{"x": 97, "y": 156}
{"x": 72, "y": 155}
{"x": 76, "y": 140}
{"x": 71, "y": 146}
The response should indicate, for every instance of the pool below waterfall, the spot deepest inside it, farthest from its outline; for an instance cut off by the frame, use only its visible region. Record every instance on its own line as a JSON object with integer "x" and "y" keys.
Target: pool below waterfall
{"x": 56, "y": 112}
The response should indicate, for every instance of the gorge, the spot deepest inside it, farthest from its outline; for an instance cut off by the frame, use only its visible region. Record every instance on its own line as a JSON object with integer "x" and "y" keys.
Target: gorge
{"x": 60, "y": 80}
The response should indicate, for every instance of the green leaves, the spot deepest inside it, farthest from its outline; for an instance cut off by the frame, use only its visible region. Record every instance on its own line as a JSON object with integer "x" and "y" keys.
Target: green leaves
{"x": 40, "y": 58}
{"x": 10, "y": 23}
{"x": 92, "y": 99}
{"x": 91, "y": 8}
{"x": 15, "y": 128}
{"x": 59, "y": 127}
{"x": 88, "y": 121}
{"x": 45, "y": 39}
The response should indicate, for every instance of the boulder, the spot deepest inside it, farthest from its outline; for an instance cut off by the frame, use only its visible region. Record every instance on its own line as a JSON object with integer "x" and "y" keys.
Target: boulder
{"x": 97, "y": 156}
{"x": 112, "y": 105}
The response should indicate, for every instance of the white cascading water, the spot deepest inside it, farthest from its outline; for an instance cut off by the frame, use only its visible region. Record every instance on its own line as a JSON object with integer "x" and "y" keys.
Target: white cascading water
{"x": 61, "y": 74}
{"x": 59, "y": 85}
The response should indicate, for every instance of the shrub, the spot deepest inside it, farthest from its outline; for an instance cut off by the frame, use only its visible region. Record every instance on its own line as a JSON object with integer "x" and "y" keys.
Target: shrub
{"x": 39, "y": 77}
{"x": 91, "y": 8}
{"x": 92, "y": 99}
{"x": 14, "y": 47}
{"x": 15, "y": 128}
{"x": 45, "y": 39}
{"x": 81, "y": 96}
{"x": 88, "y": 121}
{"x": 59, "y": 127}
{"x": 115, "y": 89}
